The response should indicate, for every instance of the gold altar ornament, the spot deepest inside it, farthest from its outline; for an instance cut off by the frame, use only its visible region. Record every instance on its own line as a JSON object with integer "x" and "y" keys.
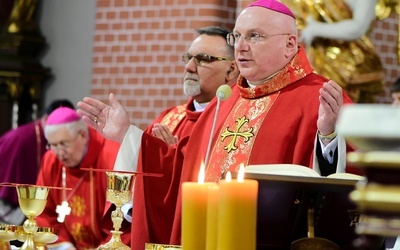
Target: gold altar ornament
{"x": 373, "y": 130}
{"x": 119, "y": 192}
{"x": 312, "y": 242}
{"x": 32, "y": 201}
{"x": 42, "y": 237}
{"x": 7, "y": 234}
{"x": 151, "y": 246}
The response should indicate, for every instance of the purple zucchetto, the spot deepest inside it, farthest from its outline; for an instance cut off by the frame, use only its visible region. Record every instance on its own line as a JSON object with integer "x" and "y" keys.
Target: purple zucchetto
{"x": 273, "y": 5}
{"x": 62, "y": 115}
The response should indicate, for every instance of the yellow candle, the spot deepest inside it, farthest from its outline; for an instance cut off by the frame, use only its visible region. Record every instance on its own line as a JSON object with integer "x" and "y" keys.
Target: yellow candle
{"x": 212, "y": 217}
{"x": 194, "y": 213}
{"x": 237, "y": 214}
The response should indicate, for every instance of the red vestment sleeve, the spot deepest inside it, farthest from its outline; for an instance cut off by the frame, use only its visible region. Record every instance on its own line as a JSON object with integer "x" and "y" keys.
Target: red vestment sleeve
{"x": 155, "y": 197}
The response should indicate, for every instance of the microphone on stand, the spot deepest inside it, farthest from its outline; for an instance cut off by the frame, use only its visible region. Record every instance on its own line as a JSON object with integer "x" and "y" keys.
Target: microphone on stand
{"x": 223, "y": 92}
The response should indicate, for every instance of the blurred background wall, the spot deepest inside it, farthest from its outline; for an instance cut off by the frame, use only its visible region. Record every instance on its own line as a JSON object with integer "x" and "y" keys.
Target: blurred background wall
{"x": 133, "y": 48}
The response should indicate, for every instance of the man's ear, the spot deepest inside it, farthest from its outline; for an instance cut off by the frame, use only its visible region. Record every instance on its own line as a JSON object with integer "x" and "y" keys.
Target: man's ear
{"x": 291, "y": 45}
{"x": 84, "y": 133}
{"x": 232, "y": 73}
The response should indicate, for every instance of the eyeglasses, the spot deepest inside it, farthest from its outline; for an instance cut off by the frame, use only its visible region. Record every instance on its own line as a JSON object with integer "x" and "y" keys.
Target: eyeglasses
{"x": 232, "y": 38}
{"x": 202, "y": 58}
{"x": 62, "y": 145}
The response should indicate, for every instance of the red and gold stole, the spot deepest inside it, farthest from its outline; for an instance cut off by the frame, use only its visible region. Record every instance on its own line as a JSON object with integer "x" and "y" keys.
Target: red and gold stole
{"x": 174, "y": 117}
{"x": 240, "y": 129}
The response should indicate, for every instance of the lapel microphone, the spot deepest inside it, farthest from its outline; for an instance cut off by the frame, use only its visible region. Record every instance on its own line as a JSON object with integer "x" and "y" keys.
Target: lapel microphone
{"x": 223, "y": 92}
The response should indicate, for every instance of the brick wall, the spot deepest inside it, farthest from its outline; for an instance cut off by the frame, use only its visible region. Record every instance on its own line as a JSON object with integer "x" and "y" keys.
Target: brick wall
{"x": 385, "y": 36}
{"x": 138, "y": 47}
{"x": 139, "y": 43}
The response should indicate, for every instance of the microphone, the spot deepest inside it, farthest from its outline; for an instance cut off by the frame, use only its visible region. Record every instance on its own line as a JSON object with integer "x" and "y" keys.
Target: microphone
{"x": 223, "y": 92}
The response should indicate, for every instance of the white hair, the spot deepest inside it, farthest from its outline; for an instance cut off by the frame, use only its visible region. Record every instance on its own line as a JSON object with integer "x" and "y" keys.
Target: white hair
{"x": 73, "y": 127}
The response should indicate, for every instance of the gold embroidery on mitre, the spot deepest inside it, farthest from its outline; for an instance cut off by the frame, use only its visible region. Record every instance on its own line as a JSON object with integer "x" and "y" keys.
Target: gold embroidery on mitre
{"x": 174, "y": 117}
{"x": 79, "y": 232}
{"x": 78, "y": 206}
{"x": 236, "y": 133}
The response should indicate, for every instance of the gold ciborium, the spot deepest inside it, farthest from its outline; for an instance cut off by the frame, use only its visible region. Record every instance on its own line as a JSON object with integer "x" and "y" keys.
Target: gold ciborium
{"x": 7, "y": 234}
{"x": 119, "y": 192}
{"x": 32, "y": 201}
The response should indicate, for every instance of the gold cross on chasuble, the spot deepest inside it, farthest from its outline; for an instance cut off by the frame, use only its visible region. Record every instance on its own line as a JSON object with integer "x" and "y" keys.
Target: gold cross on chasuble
{"x": 238, "y": 135}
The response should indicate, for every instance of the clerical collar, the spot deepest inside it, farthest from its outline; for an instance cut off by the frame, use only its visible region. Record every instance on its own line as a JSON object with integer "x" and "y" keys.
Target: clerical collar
{"x": 252, "y": 85}
{"x": 295, "y": 70}
{"x": 199, "y": 107}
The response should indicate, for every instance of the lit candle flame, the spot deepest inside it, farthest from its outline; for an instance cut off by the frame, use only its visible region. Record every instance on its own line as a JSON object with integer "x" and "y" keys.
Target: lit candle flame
{"x": 240, "y": 176}
{"x": 228, "y": 176}
{"x": 201, "y": 177}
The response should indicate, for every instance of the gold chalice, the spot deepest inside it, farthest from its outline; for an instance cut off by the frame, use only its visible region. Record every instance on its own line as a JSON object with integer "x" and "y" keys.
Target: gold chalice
{"x": 119, "y": 192}
{"x": 32, "y": 201}
{"x": 7, "y": 234}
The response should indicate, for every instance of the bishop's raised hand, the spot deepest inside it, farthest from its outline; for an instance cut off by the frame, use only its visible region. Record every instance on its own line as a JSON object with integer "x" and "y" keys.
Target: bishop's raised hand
{"x": 111, "y": 121}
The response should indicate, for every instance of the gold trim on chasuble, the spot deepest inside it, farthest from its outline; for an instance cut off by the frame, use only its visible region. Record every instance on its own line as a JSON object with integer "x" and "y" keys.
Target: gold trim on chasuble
{"x": 240, "y": 129}
{"x": 174, "y": 117}
{"x": 238, "y": 135}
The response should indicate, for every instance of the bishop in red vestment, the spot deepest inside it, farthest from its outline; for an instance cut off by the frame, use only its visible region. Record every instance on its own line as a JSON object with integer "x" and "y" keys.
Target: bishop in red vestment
{"x": 273, "y": 121}
{"x": 255, "y": 126}
{"x": 21, "y": 152}
{"x": 73, "y": 148}
{"x": 273, "y": 116}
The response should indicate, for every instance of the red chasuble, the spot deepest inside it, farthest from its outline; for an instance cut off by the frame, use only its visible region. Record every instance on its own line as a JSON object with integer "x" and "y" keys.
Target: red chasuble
{"x": 273, "y": 123}
{"x": 87, "y": 198}
{"x": 179, "y": 120}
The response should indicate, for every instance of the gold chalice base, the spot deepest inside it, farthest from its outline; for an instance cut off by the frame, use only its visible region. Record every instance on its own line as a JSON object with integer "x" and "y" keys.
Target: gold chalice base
{"x": 152, "y": 246}
{"x": 43, "y": 236}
